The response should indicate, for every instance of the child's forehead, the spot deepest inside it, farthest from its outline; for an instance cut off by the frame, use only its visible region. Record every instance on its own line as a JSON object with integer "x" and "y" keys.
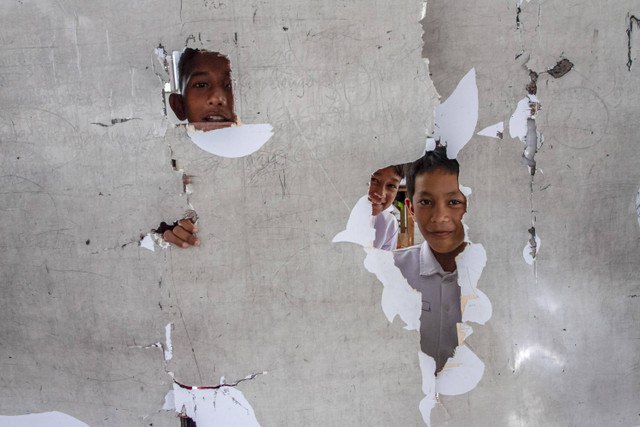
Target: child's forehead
{"x": 437, "y": 179}
{"x": 209, "y": 63}
{"x": 388, "y": 172}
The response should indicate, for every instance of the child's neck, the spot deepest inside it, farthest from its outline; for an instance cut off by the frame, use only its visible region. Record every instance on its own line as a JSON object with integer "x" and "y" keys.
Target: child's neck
{"x": 448, "y": 261}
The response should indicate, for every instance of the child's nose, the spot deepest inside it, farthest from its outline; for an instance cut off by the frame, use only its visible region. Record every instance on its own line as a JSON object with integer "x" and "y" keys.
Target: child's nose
{"x": 439, "y": 213}
{"x": 217, "y": 97}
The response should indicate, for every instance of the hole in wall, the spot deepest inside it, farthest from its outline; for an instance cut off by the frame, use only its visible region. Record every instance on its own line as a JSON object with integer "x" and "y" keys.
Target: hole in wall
{"x": 197, "y": 85}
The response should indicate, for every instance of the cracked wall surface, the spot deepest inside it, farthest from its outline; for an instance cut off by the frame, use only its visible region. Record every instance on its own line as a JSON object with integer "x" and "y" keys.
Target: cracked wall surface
{"x": 87, "y": 169}
{"x": 90, "y": 165}
{"x": 565, "y": 326}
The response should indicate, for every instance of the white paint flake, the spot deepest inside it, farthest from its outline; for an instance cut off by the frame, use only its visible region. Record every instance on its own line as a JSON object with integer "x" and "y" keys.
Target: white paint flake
{"x": 359, "y": 226}
{"x": 530, "y": 251}
{"x": 457, "y": 117}
{"x": 44, "y": 419}
{"x": 168, "y": 348}
{"x": 224, "y": 406}
{"x": 526, "y": 109}
{"x": 232, "y": 142}
{"x": 148, "y": 243}
{"x": 398, "y": 297}
{"x": 493, "y": 131}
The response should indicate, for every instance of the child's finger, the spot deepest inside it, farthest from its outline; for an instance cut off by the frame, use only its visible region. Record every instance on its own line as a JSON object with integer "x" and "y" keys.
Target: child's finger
{"x": 169, "y": 236}
{"x": 186, "y": 236}
{"x": 188, "y": 225}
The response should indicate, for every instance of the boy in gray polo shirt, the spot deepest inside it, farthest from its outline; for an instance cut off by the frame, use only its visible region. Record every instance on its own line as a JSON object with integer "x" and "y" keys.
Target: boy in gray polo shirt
{"x": 437, "y": 205}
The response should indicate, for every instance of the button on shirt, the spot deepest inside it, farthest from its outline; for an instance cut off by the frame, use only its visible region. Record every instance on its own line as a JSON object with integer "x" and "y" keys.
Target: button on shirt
{"x": 440, "y": 300}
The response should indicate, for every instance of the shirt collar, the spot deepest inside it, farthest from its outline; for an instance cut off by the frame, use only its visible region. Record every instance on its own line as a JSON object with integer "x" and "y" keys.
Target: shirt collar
{"x": 428, "y": 263}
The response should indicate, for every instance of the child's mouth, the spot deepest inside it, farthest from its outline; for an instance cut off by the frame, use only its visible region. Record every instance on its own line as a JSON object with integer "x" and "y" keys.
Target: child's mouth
{"x": 215, "y": 119}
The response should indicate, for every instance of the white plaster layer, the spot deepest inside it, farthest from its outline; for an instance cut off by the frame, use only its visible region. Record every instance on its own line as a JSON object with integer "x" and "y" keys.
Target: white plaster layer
{"x": 44, "y": 419}
{"x": 359, "y": 229}
{"x": 224, "y": 406}
{"x": 232, "y": 142}
{"x": 493, "y": 131}
{"x": 457, "y": 117}
{"x": 529, "y": 252}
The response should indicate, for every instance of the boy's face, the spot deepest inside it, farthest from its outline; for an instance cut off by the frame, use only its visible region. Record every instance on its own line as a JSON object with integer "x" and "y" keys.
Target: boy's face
{"x": 438, "y": 207}
{"x": 207, "y": 97}
{"x": 383, "y": 188}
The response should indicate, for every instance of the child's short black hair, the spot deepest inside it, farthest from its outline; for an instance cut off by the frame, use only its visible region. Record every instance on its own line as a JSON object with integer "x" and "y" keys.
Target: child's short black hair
{"x": 432, "y": 160}
{"x": 185, "y": 63}
{"x": 399, "y": 170}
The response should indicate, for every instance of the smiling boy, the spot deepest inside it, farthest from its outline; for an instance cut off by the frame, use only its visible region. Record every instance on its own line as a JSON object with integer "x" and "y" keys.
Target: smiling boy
{"x": 206, "y": 95}
{"x": 437, "y": 205}
{"x": 383, "y": 188}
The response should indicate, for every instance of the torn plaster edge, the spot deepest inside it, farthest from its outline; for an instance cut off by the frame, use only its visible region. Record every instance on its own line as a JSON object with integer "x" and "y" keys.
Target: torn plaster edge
{"x": 532, "y": 248}
{"x": 359, "y": 229}
{"x": 457, "y": 117}
{"x": 42, "y": 419}
{"x": 493, "y": 131}
{"x": 151, "y": 239}
{"x": 232, "y": 142}
{"x": 223, "y": 404}
{"x": 168, "y": 348}
{"x": 461, "y": 374}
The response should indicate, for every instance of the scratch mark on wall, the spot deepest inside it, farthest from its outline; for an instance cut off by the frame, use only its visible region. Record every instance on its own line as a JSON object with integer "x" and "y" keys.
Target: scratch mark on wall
{"x": 115, "y": 122}
{"x": 632, "y": 19}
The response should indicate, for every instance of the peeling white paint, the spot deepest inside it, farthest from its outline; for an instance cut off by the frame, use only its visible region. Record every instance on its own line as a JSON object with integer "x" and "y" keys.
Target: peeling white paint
{"x": 427, "y": 367}
{"x": 518, "y": 121}
{"x": 232, "y": 142}
{"x": 475, "y": 305}
{"x": 457, "y": 117}
{"x": 44, "y": 419}
{"x": 398, "y": 297}
{"x": 224, "y": 406}
{"x": 150, "y": 240}
{"x": 461, "y": 374}
{"x": 530, "y": 252}
{"x": 148, "y": 243}
{"x": 493, "y": 131}
{"x": 168, "y": 348}
{"x": 359, "y": 228}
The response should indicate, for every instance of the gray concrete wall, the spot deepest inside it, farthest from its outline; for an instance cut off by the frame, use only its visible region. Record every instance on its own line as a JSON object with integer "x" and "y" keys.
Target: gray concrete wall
{"x": 347, "y": 92}
{"x": 563, "y": 344}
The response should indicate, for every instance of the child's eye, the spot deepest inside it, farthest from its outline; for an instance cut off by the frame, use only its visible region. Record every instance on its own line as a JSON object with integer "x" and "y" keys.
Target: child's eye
{"x": 455, "y": 202}
{"x": 227, "y": 85}
{"x": 392, "y": 186}
{"x": 425, "y": 202}
{"x": 200, "y": 85}
{"x": 374, "y": 180}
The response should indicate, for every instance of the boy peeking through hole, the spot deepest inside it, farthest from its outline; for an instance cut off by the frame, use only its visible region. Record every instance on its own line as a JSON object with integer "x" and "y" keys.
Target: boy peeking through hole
{"x": 437, "y": 205}
{"x": 206, "y": 94}
{"x": 383, "y": 188}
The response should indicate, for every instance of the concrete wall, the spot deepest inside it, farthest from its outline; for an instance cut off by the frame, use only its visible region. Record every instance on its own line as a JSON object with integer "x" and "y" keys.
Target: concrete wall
{"x": 347, "y": 92}
{"x": 562, "y": 343}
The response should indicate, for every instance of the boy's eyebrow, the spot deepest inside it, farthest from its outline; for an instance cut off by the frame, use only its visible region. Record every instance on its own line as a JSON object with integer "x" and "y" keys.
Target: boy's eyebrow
{"x": 426, "y": 193}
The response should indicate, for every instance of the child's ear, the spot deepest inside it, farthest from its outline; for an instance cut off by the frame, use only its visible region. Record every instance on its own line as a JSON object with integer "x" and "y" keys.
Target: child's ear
{"x": 409, "y": 206}
{"x": 177, "y": 105}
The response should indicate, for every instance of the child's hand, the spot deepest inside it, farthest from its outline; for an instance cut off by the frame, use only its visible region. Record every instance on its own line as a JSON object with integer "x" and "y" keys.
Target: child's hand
{"x": 183, "y": 234}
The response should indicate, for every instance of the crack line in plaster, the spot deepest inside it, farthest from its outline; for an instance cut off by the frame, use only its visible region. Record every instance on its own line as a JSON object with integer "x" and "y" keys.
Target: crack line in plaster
{"x": 115, "y": 122}
{"x": 632, "y": 19}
